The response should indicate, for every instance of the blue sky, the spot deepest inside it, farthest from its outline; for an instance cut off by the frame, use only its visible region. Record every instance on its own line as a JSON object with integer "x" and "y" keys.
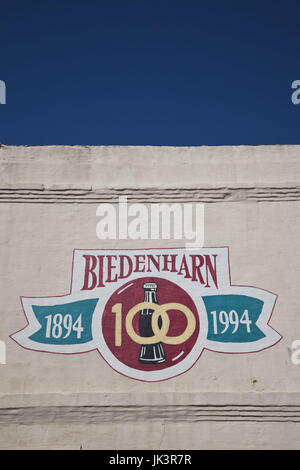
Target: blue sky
{"x": 145, "y": 72}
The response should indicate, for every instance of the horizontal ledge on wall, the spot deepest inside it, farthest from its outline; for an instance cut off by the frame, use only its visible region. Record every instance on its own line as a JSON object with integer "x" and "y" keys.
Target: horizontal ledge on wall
{"x": 127, "y": 413}
{"x": 70, "y": 194}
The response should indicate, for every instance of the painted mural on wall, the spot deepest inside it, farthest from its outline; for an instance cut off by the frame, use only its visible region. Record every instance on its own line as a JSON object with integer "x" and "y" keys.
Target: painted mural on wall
{"x": 150, "y": 313}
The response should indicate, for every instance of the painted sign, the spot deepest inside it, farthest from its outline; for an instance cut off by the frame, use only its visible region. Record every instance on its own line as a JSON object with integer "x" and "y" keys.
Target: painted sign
{"x": 150, "y": 313}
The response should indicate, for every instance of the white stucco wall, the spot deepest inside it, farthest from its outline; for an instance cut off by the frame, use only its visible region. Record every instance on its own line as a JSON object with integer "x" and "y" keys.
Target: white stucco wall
{"x": 48, "y": 200}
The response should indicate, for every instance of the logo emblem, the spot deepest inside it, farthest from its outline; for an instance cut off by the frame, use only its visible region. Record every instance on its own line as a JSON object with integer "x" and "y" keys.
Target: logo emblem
{"x": 150, "y": 313}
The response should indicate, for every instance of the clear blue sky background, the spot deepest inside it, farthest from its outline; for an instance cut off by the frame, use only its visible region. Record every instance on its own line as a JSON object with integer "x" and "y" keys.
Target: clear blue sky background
{"x": 149, "y": 72}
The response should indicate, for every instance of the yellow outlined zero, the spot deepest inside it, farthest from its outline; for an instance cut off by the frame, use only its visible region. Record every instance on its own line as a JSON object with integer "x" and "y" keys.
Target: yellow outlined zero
{"x": 160, "y": 334}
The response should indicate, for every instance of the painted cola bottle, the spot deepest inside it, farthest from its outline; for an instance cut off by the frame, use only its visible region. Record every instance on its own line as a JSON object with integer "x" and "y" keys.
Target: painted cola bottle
{"x": 150, "y": 353}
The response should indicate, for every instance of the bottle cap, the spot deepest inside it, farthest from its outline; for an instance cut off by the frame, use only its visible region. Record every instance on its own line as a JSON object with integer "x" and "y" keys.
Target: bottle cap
{"x": 150, "y": 285}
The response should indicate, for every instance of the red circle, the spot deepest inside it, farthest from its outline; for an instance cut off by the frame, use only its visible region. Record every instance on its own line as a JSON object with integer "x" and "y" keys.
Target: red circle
{"x": 131, "y": 294}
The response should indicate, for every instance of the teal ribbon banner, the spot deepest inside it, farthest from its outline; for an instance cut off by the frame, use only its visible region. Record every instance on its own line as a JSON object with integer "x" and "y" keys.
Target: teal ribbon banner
{"x": 65, "y": 324}
{"x": 232, "y": 318}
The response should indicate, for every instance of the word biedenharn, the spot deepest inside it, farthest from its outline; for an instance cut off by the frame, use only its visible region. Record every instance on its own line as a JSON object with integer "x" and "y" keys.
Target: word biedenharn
{"x": 102, "y": 269}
